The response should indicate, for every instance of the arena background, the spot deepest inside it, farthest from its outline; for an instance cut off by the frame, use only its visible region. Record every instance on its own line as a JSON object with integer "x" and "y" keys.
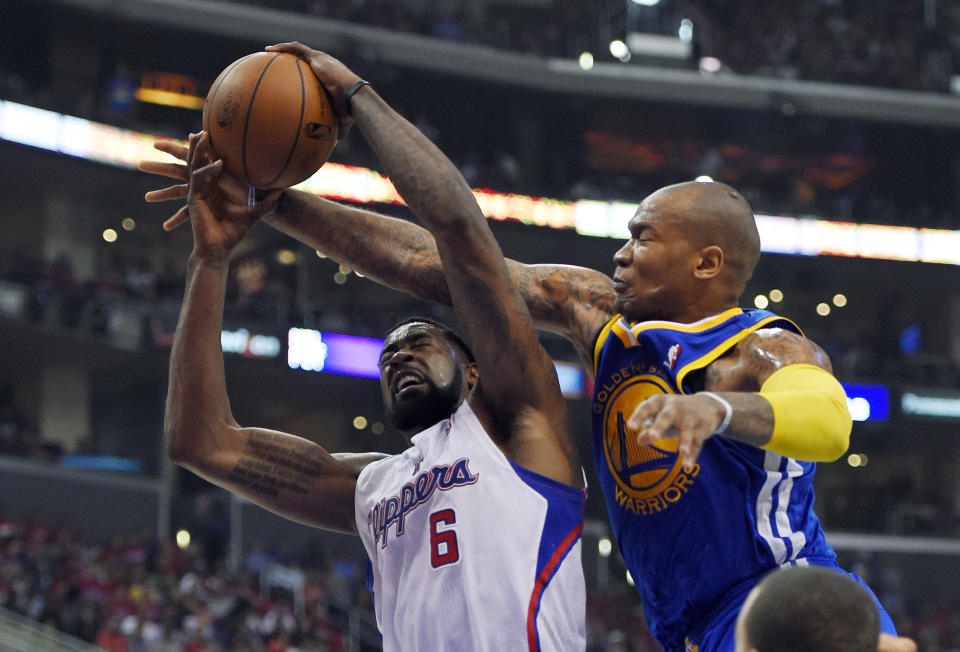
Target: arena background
{"x": 837, "y": 119}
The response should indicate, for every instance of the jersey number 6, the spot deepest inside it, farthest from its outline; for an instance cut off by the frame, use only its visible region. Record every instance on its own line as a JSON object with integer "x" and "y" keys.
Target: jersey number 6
{"x": 450, "y": 553}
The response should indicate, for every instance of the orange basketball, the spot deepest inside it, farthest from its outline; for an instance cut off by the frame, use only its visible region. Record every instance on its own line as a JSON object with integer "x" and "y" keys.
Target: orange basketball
{"x": 270, "y": 120}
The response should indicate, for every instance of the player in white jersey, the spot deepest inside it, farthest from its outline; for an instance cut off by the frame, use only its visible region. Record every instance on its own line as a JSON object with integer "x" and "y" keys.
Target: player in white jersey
{"x": 469, "y": 550}
{"x": 473, "y": 533}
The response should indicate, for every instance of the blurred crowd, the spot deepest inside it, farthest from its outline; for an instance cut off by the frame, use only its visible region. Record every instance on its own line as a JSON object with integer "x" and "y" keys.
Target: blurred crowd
{"x": 872, "y": 42}
{"x": 261, "y": 292}
{"x": 56, "y": 294}
{"x": 886, "y": 43}
{"x": 134, "y": 594}
{"x": 799, "y": 165}
{"x": 18, "y": 436}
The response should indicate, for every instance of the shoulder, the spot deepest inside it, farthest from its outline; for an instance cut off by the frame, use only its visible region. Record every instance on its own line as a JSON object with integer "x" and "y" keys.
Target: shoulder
{"x": 357, "y": 462}
{"x": 780, "y": 347}
{"x": 754, "y": 358}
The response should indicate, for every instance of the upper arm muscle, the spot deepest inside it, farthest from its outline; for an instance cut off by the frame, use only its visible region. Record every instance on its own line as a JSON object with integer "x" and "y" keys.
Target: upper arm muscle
{"x": 758, "y": 355}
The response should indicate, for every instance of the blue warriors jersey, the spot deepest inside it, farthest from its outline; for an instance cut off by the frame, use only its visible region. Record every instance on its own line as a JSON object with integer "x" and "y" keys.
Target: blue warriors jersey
{"x": 693, "y": 540}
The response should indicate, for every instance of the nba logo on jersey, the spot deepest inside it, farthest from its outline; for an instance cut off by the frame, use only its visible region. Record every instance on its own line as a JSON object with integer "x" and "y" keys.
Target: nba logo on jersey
{"x": 672, "y": 354}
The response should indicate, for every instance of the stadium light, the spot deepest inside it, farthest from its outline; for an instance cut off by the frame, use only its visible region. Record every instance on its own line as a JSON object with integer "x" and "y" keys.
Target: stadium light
{"x": 604, "y": 547}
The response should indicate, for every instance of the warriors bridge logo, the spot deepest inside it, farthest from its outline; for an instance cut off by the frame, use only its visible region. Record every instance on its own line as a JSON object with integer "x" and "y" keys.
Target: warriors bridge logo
{"x": 649, "y": 479}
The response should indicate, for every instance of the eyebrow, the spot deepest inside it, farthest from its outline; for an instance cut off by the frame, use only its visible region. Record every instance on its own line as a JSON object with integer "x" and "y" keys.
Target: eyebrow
{"x": 638, "y": 228}
{"x": 412, "y": 336}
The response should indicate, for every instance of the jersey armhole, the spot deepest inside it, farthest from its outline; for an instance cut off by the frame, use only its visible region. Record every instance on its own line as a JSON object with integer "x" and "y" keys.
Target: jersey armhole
{"x": 599, "y": 339}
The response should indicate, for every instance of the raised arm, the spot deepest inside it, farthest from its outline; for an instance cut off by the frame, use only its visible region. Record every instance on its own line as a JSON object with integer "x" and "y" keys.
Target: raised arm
{"x": 574, "y": 302}
{"x": 571, "y": 301}
{"x": 518, "y": 396}
{"x": 286, "y": 474}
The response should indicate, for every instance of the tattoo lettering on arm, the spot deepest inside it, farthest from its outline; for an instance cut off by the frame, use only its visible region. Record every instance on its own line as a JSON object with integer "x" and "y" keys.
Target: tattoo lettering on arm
{"x": 745, "y": 367}
{"x": 272, "y": 463}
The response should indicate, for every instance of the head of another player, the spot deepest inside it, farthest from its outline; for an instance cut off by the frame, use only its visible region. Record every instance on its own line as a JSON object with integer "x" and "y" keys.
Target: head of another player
{"x": 426, "y": 371}
{"x": 692, "y": 249}
{"x": 808, "y": 608}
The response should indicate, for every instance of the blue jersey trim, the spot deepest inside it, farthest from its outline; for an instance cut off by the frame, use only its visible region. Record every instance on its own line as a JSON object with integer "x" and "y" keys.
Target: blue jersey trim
{"x": 372, "y": 594}
{"x": 564, "y": 516}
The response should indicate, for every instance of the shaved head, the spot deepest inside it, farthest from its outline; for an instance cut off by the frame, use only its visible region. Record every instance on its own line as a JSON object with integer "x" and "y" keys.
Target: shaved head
{"x": 713, "y": 213}
{"x": 692, "y": 249}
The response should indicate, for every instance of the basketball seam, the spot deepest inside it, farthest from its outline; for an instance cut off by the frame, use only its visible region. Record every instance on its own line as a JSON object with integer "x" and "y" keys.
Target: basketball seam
{"x": 296, "y": 138}
{"x": 246, "y": 123}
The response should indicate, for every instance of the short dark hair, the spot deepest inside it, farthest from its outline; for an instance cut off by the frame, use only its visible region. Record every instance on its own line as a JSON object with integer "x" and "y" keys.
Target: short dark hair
{"x": 799, "y": 609}
{"x": 453, "y": 336}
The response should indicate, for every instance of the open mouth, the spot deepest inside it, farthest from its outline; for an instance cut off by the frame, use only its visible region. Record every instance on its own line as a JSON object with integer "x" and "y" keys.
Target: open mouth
{"x": 404, "y": 380}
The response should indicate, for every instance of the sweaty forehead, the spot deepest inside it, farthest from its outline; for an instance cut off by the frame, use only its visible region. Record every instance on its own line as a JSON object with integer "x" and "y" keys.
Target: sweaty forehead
{"x": 407, "y": 332}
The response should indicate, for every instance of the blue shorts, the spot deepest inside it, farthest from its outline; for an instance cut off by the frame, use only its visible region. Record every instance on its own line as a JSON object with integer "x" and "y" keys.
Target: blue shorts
{"x": 720, "y": 634}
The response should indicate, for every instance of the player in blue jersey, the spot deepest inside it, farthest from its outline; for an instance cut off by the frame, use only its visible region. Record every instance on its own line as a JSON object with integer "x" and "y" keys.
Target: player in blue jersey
{"x": 708, "y": 419}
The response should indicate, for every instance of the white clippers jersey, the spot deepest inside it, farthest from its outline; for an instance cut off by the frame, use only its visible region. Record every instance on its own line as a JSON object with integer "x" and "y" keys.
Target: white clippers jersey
{"x": 469, "y": 551}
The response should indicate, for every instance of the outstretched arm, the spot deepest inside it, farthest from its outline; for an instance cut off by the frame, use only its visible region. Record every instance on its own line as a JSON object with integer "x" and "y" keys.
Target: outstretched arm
{"x": 775, "y": 390}
{"x": 285, "y": 474}
{"x": 574, "y": 302}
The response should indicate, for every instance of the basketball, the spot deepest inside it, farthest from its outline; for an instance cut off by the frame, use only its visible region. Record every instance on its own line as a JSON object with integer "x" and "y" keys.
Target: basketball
{"x": 270, "y": 120}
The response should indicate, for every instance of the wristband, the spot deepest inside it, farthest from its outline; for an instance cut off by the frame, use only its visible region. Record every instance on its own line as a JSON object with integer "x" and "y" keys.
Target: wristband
{"x": 728, "y": 411}
{"x": 357, "y": 85}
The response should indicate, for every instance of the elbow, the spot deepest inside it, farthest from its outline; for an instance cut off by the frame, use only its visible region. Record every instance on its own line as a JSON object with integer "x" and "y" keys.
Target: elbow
{"x": 183, "y": 443}
{"x": 837, "y": 437}
{"x": 193, "y": 435}
{"x": 834, "y": 449}
{"x": 176, "y": 435}
{"x": 835, "y": 428}
{"x": 199, "y": 445}
{"x": 812, "y": 426}
{"x": 178, "y": 450}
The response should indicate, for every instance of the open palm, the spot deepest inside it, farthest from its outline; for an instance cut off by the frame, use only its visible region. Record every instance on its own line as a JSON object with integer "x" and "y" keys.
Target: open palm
{"x": 229, "y": 193}
{"x": 219, "y": 221}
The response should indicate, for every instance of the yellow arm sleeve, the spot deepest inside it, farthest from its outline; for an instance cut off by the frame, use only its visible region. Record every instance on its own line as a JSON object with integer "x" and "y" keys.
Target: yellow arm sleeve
{"x": 811, "y": 421}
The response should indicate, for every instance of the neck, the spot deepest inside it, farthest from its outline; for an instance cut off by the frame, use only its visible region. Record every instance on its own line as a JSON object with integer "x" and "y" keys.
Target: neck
{"x": 712, "y": 301}
{"x": 696, "y": 315}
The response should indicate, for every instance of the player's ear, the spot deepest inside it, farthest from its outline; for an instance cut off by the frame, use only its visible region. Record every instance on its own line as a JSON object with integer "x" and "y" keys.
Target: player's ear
{"x": 709, "y": 263}
{"x": 472, "y": 374}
